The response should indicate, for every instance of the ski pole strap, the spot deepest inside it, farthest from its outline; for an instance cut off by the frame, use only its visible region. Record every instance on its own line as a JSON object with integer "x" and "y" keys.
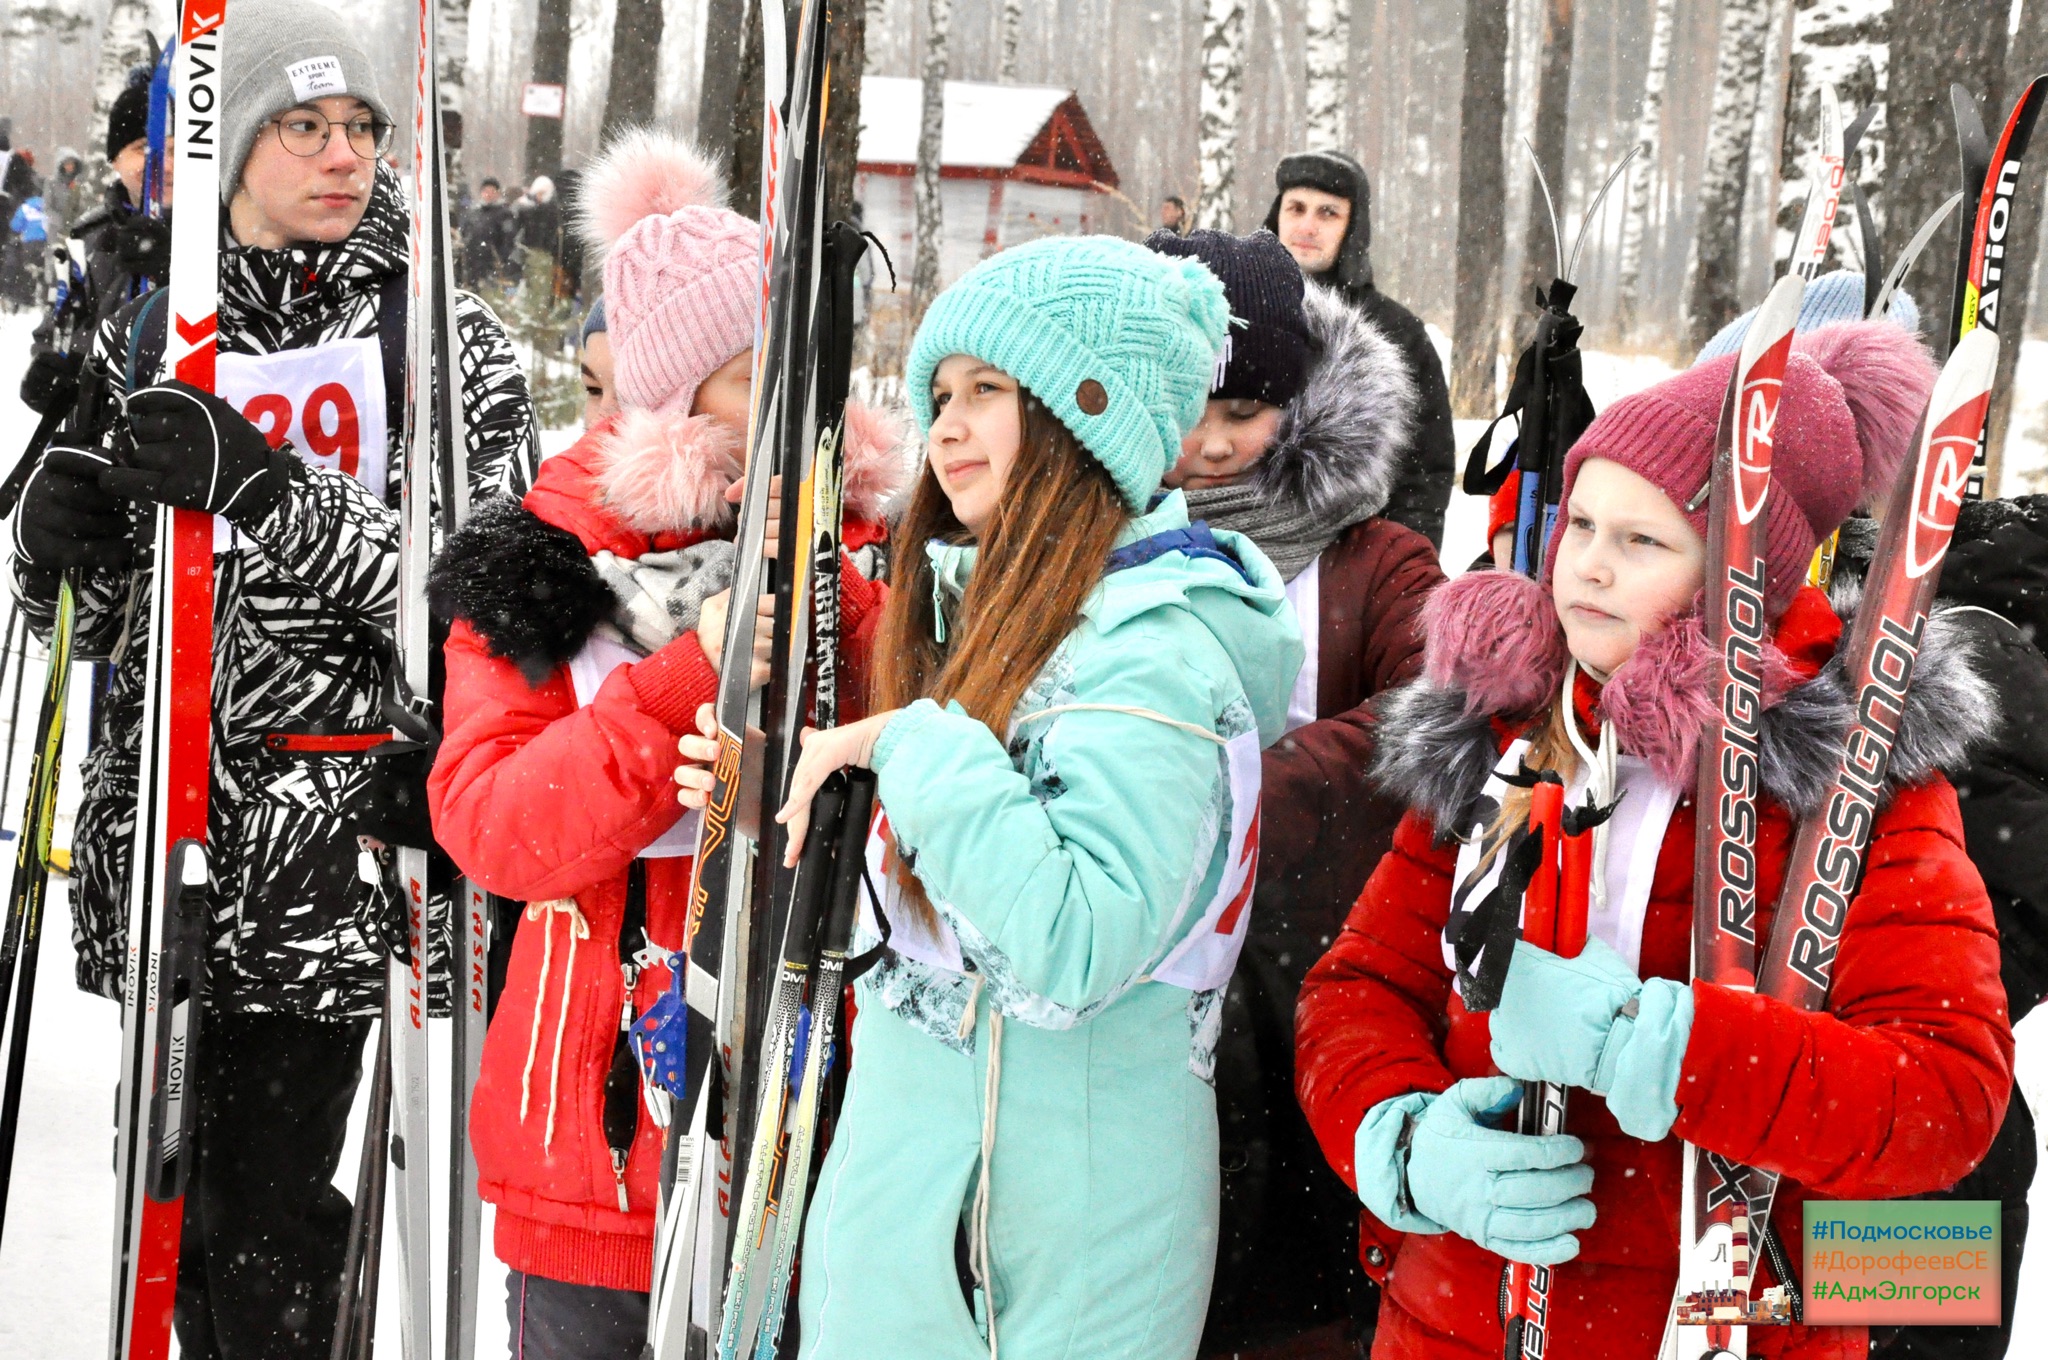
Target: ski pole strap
{"x": 1479, "y": 479}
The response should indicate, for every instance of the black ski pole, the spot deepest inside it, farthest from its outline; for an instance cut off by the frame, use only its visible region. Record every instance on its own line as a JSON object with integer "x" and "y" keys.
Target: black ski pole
{"x": 355, "y": 1319}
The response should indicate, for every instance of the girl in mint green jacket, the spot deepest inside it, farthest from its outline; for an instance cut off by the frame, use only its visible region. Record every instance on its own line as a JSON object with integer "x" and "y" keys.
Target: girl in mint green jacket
{"x": 1072, "y": 686}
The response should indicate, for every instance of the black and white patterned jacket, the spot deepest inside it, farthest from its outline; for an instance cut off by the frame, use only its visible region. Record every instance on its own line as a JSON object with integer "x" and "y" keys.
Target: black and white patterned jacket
{"x": 303, "y": 616}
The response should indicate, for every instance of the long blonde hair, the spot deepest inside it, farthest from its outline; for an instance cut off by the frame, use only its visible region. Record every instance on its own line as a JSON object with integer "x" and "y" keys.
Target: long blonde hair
{"x": 1045, "y": 548}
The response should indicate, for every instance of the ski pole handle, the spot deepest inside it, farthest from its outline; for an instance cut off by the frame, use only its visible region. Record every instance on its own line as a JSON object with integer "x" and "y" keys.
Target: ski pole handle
{"x": 1539, "y": 904}
{"x": 1575, "y": 880}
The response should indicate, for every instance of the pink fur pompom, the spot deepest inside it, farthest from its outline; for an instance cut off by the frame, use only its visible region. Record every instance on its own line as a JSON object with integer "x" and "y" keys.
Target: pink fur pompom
{"x": 643, "y": 173}
{"x": 1886, "y": 376}
{"x": 877, "y": 465}
{"x": 668, "y": 473}
{"x": 1662, "y": 698}
{"x": 1494, "y": 635}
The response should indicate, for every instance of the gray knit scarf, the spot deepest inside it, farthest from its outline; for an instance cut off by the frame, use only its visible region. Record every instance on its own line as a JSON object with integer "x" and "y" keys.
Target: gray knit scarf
{"x": 661, "y": 594}
{"x": 1290, "y": 534}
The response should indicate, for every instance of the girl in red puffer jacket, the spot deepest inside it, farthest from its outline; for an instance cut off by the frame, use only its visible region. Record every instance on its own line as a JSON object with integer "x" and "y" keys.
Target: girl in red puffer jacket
{"x": 587, "y": 624}
{"x": 1601, "y": 673}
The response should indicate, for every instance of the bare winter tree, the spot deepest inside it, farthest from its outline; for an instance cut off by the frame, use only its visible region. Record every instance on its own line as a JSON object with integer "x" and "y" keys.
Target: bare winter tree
{"x": 1551, "y": 129}
{"x": 452, "y": 58}
{"x": 1222, "y": 85}
{"x": 1715, "y": 268}
{"x": 1635, "y": 218}
{"x": 1845, "y": 44}
{"x": 742, "y": 121}
{"x": 125, "y": 45}
{"x": 726, "y": 26}
{"x": 1482, "y": 200}
{"x": 931, "y": 132}
{"x": 1757, "y": 266}
{"x": 1329, "y": 59}
{"x": 1936, "y": 43}
{"x": 1013, "y": 23}
{"x": 847, "y": 55}
{"x": 636, "y": 65}
{"x": 550, "y": 67}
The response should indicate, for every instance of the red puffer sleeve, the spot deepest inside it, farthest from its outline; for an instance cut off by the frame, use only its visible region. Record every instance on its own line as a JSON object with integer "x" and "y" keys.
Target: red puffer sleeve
{"x": 1898, "y": 1087}
{"x": 536, "y": 798}
{"x": 860, "y": 619}
{"x": 1371, "y": 1020}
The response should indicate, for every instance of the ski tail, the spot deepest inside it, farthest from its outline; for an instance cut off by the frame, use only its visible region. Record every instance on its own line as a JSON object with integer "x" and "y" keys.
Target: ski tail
{"x": 1811, "y": 247}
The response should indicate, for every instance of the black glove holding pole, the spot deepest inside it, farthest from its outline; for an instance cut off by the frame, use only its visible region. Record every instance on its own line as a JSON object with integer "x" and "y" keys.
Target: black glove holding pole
{"x": 51, "y": 382}
{"x": 196, "y": 452}
{"x": 66, "y": 520}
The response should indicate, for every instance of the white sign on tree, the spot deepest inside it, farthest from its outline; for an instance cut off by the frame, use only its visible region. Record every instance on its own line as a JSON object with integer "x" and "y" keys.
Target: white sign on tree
{"x": 542, "y": 101}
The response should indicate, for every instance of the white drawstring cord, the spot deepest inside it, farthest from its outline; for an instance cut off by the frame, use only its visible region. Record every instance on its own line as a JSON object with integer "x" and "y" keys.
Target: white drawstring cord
{"x": 1600, "y": 778}
{"x": 1134, "y": 711}
{"x": 579, "y": 929}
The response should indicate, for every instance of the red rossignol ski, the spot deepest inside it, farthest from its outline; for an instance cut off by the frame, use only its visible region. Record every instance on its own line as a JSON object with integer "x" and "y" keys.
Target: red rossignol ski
{"x": 165, "y": 968}
{"x": 1712, "y": 1304}
{"x": 1991, "y": 228}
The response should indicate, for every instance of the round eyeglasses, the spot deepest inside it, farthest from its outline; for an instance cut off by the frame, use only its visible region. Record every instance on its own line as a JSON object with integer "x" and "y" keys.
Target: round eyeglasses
{"x": 305, "y": 133}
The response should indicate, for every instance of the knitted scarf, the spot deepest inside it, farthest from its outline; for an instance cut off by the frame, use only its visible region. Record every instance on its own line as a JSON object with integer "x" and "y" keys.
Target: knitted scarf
{"x": 1290, "y": 533}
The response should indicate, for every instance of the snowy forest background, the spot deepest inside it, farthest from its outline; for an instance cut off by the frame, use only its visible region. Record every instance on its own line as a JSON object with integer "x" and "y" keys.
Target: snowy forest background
{"x": 1200, "y": 98}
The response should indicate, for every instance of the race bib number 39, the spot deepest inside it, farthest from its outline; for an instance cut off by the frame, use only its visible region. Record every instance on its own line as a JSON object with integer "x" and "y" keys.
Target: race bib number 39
{"x": 327, "y": 400}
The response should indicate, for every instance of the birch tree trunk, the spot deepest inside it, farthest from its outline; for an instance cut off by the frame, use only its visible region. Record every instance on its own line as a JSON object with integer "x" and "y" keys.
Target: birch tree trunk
{"x": 124, "y": 45}
{"x": 1934, "y": 44}
{"x": 1482, "y": 211}
{"x": 1222, "y": 84}
{"x": 1549, "y": 136}
{"x": 1714, "y": 268}
{"x": 1329, "y": 60}
{"x": 930, "y": 242}
{"x": 550, "y": 67}
{"x": 1766, "y": 135}
{"x": 1642, "y": 173}
{"x": 1845, "y": 44}
{"x": 636, "y": 66}
{"x": 1013, "y": 23}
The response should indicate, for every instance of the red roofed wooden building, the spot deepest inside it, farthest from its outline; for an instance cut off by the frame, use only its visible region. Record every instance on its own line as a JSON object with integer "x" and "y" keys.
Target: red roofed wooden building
{"x": 1017, "y": 162}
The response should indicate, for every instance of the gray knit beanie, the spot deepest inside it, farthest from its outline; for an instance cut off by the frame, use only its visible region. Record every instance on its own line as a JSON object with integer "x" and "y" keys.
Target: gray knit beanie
{"x": 278, "y": 55}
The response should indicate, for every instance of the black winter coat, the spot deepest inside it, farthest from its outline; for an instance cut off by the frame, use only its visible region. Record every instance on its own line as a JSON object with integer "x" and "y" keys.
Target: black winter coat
{"x": 1996, "y": 577}
{"x": 304, "y": 609}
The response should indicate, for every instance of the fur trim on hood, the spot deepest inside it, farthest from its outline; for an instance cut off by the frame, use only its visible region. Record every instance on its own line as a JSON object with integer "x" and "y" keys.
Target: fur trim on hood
{"x": 526, "y": 585}
{"x": 1437, "y": 745}
{"x": 669, "y": 473}
{"x": 1341, "y": 440}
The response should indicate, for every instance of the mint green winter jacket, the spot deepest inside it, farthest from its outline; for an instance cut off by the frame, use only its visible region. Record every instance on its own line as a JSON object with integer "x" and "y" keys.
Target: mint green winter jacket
{"x": 1065, "y": 864}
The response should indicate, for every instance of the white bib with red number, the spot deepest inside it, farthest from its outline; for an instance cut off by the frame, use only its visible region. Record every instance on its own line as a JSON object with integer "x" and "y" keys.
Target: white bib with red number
{"x": 327, "y": 399}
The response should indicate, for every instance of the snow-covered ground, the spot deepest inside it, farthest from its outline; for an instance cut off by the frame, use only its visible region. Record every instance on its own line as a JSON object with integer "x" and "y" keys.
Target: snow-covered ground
{"x": 56, "y": 1259}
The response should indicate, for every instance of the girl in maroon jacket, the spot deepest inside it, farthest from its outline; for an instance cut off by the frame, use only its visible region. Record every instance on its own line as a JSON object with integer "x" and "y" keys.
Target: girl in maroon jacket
{"x": 1299, "y": 449}
{"x": 1600, "y": 672}
{"x": 587, "y": 624}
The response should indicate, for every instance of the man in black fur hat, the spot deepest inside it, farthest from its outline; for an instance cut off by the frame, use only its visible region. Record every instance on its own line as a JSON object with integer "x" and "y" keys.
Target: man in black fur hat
{"x": 1322, "y": 213}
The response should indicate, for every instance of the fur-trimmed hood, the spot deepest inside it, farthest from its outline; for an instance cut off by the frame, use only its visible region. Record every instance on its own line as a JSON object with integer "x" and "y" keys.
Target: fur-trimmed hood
{"x": 520, "y": 573}
{"x": 1437, "y": 744}
{"x": 1341, "y": 440}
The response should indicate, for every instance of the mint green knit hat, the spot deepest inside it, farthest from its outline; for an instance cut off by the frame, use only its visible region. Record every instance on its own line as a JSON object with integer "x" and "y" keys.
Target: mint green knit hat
{"x": 1119, "y": 344}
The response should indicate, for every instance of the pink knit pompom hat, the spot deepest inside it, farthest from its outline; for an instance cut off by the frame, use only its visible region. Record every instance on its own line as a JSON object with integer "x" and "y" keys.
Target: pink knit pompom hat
{"x": 1852, "y": 397}
{"x": 679, "y": 267}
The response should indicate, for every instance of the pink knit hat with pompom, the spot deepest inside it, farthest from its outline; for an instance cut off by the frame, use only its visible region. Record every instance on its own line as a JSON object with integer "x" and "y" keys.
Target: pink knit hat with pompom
{"x": 680, "y": 267}
{"x": 1853, "y": 395}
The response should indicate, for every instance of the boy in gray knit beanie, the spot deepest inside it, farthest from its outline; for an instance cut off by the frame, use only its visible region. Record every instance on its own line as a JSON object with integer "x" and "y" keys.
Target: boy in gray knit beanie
{"x": 278, "y": 55}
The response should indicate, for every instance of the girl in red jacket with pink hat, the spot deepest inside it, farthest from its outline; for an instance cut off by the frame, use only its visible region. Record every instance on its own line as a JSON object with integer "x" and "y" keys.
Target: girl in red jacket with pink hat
{"x": 587, "y": 624}
{"x": 1600, "y": 672}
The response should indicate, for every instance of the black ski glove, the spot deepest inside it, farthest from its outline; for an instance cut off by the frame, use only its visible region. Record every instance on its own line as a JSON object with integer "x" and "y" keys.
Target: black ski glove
{"x": 51, "y": 381}
{"x": 66, "y": 521}
{"x": 393, "y": 803}
{"x": 142, "y": 246}
{"x": 197, "y": 452}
